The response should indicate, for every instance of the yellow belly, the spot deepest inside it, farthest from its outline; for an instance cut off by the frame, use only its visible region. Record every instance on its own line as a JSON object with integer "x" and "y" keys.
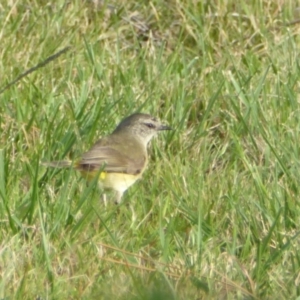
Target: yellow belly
{"x": 116, "y": 181}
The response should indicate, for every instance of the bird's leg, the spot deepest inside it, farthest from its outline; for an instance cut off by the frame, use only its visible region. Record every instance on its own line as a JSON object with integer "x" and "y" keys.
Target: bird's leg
{"x": 104, "y": 199}
{"x": 118, "y": 197}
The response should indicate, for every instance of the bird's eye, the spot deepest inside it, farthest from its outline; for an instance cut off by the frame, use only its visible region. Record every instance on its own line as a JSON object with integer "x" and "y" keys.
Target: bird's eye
{"x": 150, "y": 125}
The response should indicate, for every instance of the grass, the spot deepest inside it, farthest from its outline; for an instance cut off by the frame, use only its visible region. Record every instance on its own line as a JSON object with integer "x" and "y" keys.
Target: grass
{"x": 216, "y": 214}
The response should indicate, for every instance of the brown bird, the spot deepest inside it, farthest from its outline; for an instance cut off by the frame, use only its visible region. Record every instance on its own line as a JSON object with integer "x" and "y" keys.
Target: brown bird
{"x": 120, "y": 158}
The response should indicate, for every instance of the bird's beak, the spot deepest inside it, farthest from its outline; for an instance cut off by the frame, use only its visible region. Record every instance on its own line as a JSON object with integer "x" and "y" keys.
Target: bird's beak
{"x": 164, "y": 127}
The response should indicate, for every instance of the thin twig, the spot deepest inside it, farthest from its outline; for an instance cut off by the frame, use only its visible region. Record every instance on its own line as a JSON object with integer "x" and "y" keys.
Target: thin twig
{"x": 39, "y": 65}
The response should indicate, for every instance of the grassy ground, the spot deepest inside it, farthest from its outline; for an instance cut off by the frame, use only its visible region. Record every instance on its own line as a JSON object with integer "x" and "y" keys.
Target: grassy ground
{"x": 216, "y": 215}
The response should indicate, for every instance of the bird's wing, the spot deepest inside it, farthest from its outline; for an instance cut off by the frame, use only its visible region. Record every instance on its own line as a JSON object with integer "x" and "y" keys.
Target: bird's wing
{"x": 110, "y": 160}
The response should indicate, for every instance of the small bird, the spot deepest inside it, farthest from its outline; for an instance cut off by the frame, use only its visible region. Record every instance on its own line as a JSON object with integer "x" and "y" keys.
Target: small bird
{"x": 120, "y": 158}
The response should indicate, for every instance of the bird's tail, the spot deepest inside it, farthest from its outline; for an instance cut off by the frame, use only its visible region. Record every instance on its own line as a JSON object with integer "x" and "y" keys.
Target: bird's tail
{"x": 58, "y": 164}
